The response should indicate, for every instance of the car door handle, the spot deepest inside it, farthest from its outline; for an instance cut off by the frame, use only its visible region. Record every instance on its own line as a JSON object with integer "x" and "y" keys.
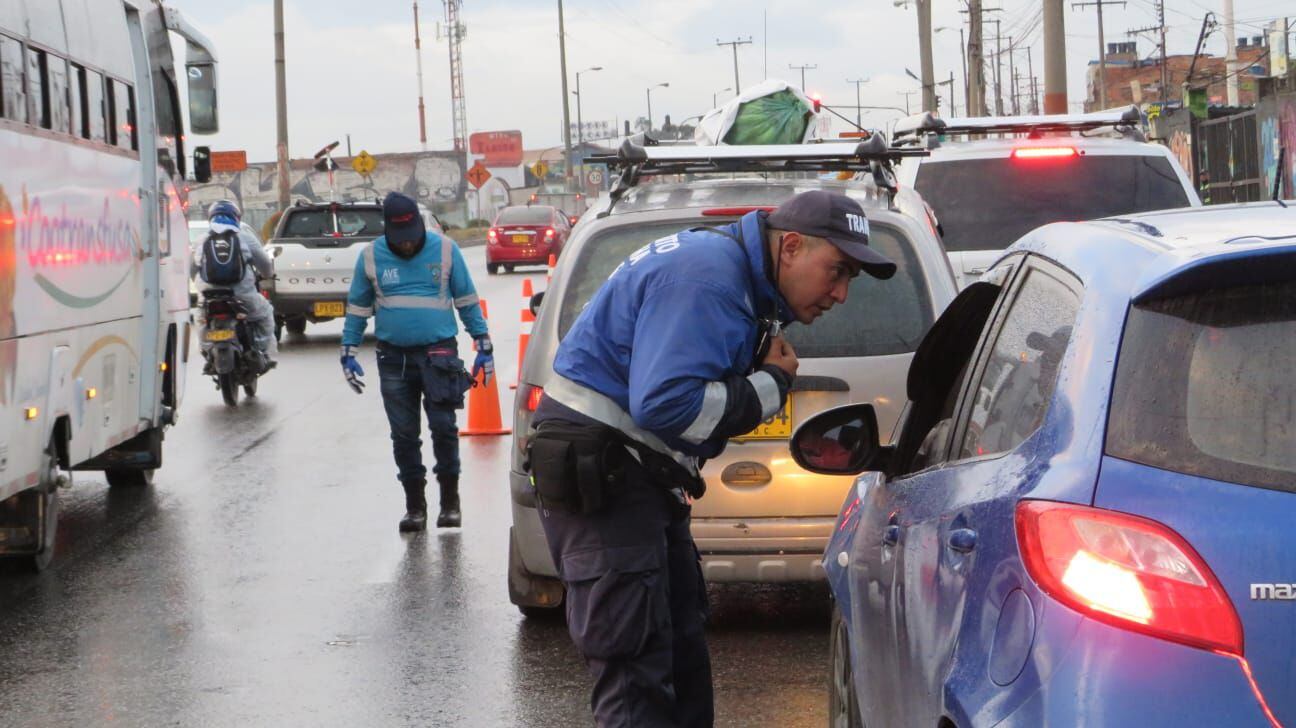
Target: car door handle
{"x": 891, "y": 535}
{"x": 962, "y": 540}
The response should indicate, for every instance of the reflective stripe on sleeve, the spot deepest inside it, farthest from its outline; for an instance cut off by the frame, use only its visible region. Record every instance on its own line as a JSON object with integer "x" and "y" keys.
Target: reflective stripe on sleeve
{"x": 369, "y": 268}
{"x": 714, "y": 400}
{"x": 767, "y": 391}
{"x": 447, "y": 266}
{"x": 468, "y": 300}
{"x": 364, "y": 311}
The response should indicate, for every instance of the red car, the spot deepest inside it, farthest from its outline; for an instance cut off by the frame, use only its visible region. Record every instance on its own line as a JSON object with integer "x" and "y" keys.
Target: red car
{"x": 525, "y": 235}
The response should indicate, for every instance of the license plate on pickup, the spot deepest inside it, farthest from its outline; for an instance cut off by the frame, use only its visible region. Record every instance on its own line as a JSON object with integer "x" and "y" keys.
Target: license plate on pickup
{"x": 778, "y": 427}
{"x": 331, "y": 308}
{"x": 523, "y": 239}
{"x": 220, "y": 335}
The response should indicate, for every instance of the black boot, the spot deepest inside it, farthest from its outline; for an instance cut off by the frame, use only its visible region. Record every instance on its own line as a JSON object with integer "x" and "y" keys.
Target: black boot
{"x": 450, "y": 516}
{"x": 415, "y": 506}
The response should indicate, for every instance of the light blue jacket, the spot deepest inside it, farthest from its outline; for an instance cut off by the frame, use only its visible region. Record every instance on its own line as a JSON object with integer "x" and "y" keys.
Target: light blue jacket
{"x": 414, "y": 301}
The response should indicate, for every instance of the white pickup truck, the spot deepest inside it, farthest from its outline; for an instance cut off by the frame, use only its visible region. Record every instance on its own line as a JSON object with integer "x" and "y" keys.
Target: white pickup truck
{"x": 315, "y": 246}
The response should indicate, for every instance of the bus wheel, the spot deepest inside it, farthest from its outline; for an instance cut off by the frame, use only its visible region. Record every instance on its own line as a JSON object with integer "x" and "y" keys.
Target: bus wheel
{"x": 42, "y": 509}
{"x": 129, "y": 477}
{"x": 229, "y": 388}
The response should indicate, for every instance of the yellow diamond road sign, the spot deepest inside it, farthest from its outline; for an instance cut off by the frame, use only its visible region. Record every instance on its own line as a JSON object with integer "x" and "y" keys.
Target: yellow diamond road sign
{"x": 540, "y": 169}
{"x": 364, "y": 163}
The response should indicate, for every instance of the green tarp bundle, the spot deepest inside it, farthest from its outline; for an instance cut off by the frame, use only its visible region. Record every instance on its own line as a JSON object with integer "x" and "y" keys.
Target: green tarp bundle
{"x": 779, "y": 118}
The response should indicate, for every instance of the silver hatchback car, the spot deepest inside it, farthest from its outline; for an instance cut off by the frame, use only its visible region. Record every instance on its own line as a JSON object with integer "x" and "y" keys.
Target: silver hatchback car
{"x": 763, "y": 518}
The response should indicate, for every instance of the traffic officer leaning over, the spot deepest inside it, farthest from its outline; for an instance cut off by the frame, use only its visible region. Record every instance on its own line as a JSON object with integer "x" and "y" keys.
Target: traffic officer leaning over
{"x": 679, "y": 351}
{"x": 412, "y": 282}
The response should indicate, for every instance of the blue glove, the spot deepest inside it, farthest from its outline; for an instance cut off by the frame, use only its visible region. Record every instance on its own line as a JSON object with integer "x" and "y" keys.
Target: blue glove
{"x": 485, "y": 361}
{"x": 351, "y": 369}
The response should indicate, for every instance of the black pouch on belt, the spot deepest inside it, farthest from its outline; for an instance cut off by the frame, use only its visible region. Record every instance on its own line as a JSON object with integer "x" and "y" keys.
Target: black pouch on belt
{"x": 574, "y": 466}
{"x": 444, "y": 378}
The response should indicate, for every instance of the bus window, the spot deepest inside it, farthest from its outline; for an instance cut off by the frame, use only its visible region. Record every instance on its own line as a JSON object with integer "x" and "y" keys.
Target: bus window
{"x": 13, "y": 99}
{"x": 56, "y": 73}
{"x": 96, "y": 112}
{"x": 76, "y": 97}
{"x": 37, "y": 95}
{"x": 121, "y": 115}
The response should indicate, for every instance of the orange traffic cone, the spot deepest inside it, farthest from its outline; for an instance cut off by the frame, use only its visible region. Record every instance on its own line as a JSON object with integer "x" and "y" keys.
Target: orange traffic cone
{"x": 524, "y": 333}
{"x": 483, "y": 404}
{"x": 553, "y": 262}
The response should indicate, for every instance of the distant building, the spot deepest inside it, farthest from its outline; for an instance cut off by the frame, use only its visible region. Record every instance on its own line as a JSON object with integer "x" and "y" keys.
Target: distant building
{"x": 1135, "y": 80}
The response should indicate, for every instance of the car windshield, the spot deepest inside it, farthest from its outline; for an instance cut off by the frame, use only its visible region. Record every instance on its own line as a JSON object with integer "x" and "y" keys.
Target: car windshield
{"x": 1204, "y": 386}
{"x": 878, "y": 318}
{"x": 525, "y": 216}
{"x": 318, "y": 223}
{"x": 987, "y": 204}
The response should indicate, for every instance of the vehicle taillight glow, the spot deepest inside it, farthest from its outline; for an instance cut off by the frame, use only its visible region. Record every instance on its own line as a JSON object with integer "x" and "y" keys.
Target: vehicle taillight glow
{"x": 1044, "y": 152}
{"x": 533, "y": 398}
{"x": 1127, "y": 571}
{"x": 492, "y": 233}
{"x": 550, "y": 233}
{"x": 735, "y": 211}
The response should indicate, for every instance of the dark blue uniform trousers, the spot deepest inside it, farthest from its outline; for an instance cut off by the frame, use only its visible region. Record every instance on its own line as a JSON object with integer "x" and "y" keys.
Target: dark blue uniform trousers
{"x": 636, "y": 605}
{"x": 408, "y": 377}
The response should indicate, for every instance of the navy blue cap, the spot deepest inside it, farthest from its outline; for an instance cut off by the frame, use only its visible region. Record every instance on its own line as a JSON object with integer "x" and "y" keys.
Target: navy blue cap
{"x": 402, "y": 222}
{"x": 838, "y": 219}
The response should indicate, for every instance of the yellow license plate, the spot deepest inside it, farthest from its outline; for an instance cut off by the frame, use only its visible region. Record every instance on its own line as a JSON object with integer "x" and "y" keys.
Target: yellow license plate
{"x": 220, "y": 335}
{"x": 330, "y": 309}
{"x": 778, "y": 427}
{"x": 522, "y": 238}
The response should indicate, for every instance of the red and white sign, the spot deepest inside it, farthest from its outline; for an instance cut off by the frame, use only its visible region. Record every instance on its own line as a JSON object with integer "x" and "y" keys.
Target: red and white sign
{"x": 497, "y": 148}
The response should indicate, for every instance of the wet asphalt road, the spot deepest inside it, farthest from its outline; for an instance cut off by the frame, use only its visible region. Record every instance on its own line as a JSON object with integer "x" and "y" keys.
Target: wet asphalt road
{"x": 261, "y": 581}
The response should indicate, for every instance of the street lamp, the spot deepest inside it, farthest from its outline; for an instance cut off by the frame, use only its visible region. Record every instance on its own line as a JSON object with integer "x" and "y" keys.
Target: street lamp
{"x": 580, "y": 124}
{"x": 649, "y": 92}
{"x": 716, "y": 94}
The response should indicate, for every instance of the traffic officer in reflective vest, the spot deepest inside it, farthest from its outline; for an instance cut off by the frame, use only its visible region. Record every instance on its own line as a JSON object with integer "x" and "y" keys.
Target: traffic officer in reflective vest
{"x": 680, "y": 350}
{"x": 412, "y": 282}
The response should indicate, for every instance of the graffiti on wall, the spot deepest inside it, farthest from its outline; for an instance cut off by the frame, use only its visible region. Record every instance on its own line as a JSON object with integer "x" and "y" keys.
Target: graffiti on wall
{"x": 434, "y": 178}
{"x": 1278, "y": 132}
{"x": 1181, "y": 148}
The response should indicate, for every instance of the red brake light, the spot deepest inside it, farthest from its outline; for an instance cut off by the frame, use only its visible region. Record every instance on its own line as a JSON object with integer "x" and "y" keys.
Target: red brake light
{"x": 735, "y": 211}
{"x": 1044, "y": 152}
{"x": 1127, "y": 571}
{"x": 550, "y": 233}
{"x": 533, "y": 398}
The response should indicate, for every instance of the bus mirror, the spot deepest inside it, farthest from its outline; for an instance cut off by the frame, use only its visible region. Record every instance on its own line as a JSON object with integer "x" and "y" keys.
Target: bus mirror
{"x": 202, "y": 164}
{"x": 203, "y": 118}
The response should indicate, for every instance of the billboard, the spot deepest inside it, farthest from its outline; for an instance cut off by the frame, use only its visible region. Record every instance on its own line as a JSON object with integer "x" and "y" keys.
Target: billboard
{"x": 497, "y": 148}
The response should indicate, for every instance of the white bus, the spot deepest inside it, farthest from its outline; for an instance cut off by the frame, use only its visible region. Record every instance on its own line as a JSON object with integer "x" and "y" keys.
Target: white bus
{"x": 94, "y": 253}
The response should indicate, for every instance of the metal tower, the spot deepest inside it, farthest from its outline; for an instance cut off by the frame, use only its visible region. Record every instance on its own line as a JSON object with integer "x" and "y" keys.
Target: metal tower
{"x": 455, "y": 32}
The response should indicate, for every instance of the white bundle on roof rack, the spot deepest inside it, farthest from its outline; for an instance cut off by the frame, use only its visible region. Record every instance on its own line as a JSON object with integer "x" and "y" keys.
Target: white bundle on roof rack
{"x": 787, "y": 124}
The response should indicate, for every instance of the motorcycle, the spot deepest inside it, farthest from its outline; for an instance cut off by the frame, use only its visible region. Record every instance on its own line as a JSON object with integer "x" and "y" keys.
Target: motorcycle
{"x": 232, "y": 357}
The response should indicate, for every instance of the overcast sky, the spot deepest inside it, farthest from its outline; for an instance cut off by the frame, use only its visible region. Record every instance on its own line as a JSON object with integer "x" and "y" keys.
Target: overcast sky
{"x": 351, "y": 65}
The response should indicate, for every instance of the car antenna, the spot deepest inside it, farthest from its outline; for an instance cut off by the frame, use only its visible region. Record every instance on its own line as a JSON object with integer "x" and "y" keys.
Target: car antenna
{"x": 1282, "y": 154}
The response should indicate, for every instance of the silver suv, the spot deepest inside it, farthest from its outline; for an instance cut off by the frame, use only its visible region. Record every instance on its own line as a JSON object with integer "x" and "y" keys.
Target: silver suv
{"x": 991, "y": 180}
{"x": 763, "y": 518}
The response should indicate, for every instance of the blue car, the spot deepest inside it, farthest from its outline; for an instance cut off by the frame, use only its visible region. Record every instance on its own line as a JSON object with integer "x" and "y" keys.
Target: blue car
{"x": 1088, "y": 515}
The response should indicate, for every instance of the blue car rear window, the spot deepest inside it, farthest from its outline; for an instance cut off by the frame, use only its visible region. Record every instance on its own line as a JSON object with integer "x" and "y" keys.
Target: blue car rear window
{"x": 1205, "y": 386}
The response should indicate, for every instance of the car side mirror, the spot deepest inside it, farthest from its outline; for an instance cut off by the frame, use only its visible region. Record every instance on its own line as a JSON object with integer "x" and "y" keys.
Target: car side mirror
{"x": 839, "y": 441}
{"x": 535, "y": 303}
{"x": 202, "y": 164}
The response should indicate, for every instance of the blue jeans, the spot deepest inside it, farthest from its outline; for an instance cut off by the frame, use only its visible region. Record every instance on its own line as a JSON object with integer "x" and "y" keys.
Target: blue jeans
{"x": 407, "y": 378}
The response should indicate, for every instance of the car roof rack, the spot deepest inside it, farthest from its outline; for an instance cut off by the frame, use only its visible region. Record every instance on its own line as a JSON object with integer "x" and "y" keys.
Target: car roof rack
{"x": 1128, "y": 120}
{"x": 636, "y": 161}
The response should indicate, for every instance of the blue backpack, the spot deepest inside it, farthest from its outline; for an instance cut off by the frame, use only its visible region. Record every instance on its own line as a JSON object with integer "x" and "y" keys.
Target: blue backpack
{"x": 222, "y": 259}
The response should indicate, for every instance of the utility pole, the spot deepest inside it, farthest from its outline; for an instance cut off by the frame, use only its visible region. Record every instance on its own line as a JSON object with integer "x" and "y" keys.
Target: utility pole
{"x": 803, "y": 70}
{"x": 1230, "y": 55}
{"x": 418, "y": 54}
{"x": 925, "y": 55}
{"x": 975, "y": 59}
{"x": 1160, "y": 29}
{"x": 1102, "y": 48}
{"x": 963, "y": 56}
{"x": 998, "y": 70}
{"x": 1055, "y": 82}
{"x": 858, "y": 118}
{"x": 1012, "y": 74}
{"x": 907, "y": 94}
{"x": 1030, "y": 69}
{"x": 735, "y": 43}
{"x": 562, "y": 62}
{"x": 281, "y": 106}
{"x": 951, "y": 94}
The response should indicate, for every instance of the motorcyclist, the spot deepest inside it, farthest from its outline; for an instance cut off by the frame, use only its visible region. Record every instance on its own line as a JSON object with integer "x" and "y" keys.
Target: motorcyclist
{"x": 225, "y": 216}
